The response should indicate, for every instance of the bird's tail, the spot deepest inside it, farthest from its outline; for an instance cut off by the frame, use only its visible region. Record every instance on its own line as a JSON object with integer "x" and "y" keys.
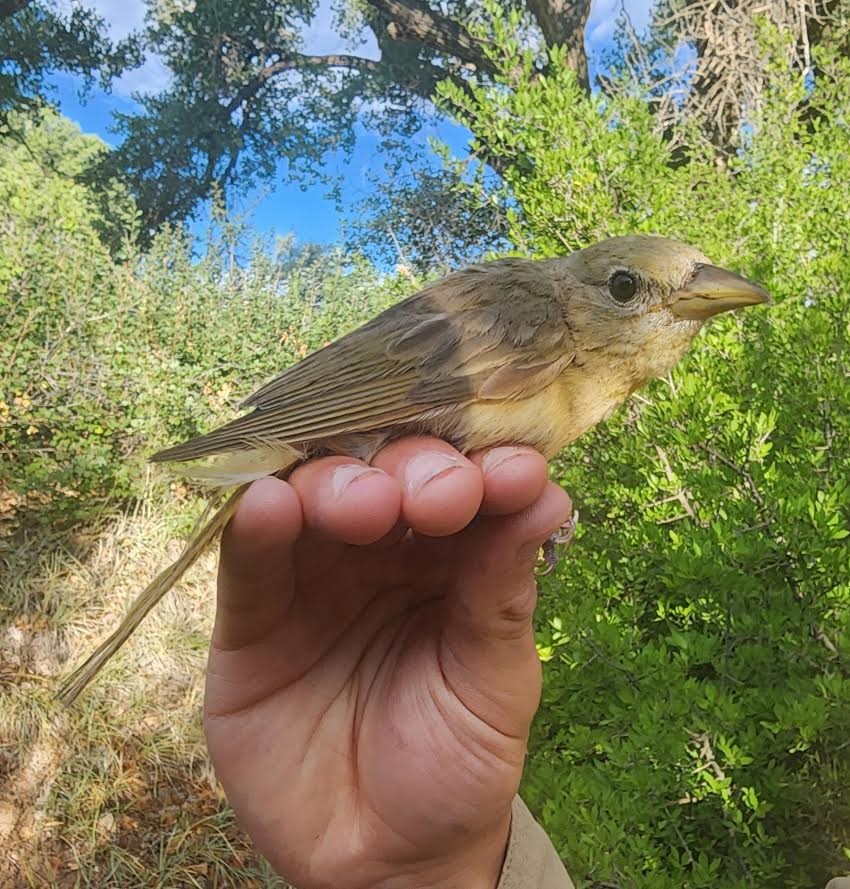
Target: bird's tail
{"x": 71, "y": 688}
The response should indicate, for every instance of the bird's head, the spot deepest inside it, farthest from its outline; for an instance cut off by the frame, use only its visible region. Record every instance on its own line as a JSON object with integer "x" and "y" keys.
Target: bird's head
{"x": 649, "y": 296}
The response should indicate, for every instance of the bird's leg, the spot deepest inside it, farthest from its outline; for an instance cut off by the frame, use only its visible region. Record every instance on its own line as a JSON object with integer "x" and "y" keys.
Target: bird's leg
{"x": 563, "y": 537}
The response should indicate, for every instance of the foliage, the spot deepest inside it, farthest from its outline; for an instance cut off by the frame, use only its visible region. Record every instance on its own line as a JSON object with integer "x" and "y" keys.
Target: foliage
{"x": 725, "y": 77}
{"x": 426, "y": 216}
{"x": 248, "y": 100}
{"x": 38, "y": 37}
{"x": 697, "y": 696}
{"x": 105, "y": 359}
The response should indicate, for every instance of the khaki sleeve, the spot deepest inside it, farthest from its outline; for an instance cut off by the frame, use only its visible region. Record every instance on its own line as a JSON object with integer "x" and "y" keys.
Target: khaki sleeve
{"x": 531, "y": 861}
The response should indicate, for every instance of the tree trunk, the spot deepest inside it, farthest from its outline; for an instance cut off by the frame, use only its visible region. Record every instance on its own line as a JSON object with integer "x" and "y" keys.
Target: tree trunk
{"x": 563, "y": 23}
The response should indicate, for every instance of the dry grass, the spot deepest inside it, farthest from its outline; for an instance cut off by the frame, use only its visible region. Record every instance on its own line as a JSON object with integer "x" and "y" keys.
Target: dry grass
{"x": 119, "y": 791}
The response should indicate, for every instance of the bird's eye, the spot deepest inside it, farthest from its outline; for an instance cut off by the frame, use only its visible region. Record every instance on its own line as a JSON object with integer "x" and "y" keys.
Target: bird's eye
{"x": 623, "y": 286}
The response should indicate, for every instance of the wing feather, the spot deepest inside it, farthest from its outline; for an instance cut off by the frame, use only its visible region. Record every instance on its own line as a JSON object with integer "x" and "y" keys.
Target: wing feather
{"x": 493, "y": 331}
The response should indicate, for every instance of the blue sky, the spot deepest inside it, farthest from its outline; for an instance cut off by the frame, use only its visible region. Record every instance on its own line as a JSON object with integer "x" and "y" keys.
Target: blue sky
{"x": 284, "y": 206}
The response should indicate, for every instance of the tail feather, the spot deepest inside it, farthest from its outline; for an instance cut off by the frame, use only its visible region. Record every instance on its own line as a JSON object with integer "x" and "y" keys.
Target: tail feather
{"x": 71, "y": 687}
{"x": 238, "y": 467}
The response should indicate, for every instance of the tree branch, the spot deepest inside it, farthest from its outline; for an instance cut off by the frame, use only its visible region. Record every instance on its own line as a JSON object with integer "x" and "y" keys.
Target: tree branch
{"x": 294, "y": 61}
{"x": 424, "y": 85}
{"x": 563, "y": 23}
{"x": 414, "y": 20}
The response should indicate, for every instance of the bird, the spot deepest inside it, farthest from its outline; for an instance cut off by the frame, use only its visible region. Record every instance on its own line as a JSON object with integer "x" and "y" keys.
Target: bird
{"x": 510, "y": 351}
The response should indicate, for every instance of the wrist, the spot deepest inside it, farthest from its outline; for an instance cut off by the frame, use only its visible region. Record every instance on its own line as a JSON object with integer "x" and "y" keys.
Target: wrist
{"x": 478, "y": 866}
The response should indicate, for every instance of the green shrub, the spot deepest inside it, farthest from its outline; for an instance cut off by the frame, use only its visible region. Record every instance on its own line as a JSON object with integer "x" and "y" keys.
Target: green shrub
{"x": 108, "y": 358}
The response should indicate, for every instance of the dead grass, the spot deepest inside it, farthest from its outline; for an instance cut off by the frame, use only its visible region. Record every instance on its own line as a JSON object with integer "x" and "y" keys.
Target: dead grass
{"x": 118, "y": 791}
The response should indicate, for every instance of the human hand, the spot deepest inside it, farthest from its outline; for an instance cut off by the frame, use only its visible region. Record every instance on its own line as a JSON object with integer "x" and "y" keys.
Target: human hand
{"x": 370, "y": 689}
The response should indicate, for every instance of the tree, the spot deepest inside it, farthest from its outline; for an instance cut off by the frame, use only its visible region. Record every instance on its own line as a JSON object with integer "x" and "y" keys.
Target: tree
{"x": 246, "y": 96}
{"x": 425, "y": 218}
{"x": 36, "y": 38}
{"x": 723, "y": 84}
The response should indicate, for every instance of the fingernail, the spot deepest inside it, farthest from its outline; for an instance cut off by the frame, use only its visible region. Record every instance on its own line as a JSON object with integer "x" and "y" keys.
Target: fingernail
{"x": 345, "y": 475}
{"x": 499, "y": 456}
{"x": 425, "y": 468}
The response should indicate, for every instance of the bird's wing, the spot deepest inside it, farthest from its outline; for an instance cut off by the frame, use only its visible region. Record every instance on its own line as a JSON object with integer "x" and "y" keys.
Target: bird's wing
{"x": 492, "y": 331}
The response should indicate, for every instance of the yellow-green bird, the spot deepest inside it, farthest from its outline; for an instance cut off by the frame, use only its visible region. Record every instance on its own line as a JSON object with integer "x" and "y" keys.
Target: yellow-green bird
{"x": 513, "y": 351}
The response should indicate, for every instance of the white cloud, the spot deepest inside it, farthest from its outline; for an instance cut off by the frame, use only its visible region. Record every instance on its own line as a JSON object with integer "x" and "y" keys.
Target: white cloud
{"x": 122, "y": 17}
{"x": 321, "y": 37}
{"x": 600, "y": 32}
{"x": 604, "y": 15}
{"x": 152, "y": 77}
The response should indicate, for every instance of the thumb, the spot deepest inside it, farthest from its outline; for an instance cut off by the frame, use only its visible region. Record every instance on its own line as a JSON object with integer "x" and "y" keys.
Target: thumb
{"x": 488, "y": 651}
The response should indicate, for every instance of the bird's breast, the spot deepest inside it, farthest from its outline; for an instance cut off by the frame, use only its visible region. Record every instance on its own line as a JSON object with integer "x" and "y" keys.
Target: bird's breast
{"x": 578, "y": 400}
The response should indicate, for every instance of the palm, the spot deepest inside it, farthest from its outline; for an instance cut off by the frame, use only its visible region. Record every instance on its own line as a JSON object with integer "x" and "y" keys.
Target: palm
{"x": 367, "y": 711}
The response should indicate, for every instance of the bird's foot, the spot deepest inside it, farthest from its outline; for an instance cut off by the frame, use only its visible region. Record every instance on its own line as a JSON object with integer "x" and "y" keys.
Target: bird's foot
{"x": 563, "y": 537}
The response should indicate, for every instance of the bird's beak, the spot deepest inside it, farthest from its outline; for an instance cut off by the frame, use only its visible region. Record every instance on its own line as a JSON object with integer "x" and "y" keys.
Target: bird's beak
{"x": 713, "y": 290}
